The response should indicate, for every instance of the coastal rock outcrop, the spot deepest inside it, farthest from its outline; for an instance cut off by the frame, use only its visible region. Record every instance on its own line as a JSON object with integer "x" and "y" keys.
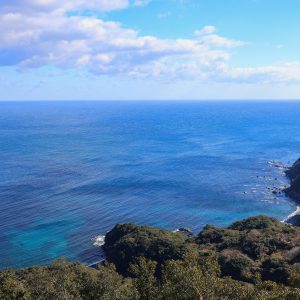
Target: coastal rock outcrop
{"x": 294, "y": 220}
{"x": 185, "y": 231}
{"x": 293, "y": 191}
{"x": 294, "y": 175}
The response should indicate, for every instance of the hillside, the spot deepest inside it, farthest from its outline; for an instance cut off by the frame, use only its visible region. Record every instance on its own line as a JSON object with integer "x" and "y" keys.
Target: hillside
{"x": 257, "y": 258}
{"x": 259, "y": 246}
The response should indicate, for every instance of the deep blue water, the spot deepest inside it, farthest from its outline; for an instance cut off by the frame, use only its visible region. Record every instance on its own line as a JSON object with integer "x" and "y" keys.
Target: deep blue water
{"x": 71, "y": 170}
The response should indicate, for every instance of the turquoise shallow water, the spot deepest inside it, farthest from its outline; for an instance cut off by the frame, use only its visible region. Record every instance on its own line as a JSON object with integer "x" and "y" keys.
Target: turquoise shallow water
{"x": 71, "y": 170}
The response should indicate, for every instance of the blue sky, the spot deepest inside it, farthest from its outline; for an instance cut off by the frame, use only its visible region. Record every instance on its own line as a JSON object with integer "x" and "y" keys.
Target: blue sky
{"x": 149, "y": 49}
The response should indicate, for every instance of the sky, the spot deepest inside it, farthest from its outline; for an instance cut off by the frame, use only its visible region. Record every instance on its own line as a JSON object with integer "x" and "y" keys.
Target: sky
{"x": 149, "y": 49}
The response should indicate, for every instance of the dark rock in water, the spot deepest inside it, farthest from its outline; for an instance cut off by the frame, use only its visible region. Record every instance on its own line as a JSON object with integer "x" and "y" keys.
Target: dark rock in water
{"x": 294, "y": 174}
{"x": 185, "y": 231}
{"x": 295, "y": 220}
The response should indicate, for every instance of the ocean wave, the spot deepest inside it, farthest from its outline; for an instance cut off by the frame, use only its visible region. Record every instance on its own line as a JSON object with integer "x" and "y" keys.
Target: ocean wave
{"x": 295, "y": 213}
{"x": 96, "y": 262}
{"x": 99, "y": 240}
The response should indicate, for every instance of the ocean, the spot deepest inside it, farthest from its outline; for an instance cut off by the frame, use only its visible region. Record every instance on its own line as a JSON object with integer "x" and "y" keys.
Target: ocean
{"x": 70, "y": 171}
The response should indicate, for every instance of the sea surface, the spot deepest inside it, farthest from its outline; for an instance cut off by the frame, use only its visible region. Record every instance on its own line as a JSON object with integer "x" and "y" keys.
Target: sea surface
{"x": 69, "y": 171}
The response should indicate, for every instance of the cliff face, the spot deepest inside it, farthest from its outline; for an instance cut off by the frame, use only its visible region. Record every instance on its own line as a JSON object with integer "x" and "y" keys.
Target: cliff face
{"x": 294, "y": 171}
{"x": 294, "y": 190}
{"x": 294, "y": 175}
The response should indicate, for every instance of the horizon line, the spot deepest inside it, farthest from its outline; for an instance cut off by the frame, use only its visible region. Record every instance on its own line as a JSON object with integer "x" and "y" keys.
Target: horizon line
{"x": 154, "y": 100}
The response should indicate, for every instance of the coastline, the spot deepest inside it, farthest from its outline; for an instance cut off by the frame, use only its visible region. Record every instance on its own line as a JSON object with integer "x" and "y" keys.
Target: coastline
{"x": 293, "y": 218}
{"x": 293, "y": 214}
{"x": 293, "y": 174}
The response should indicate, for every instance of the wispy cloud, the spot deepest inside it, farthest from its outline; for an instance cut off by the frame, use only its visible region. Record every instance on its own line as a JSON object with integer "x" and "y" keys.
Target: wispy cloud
{"x": 209, "y": 29}
{"x": 141, "y": 2}
{"x": 164, "y": 15}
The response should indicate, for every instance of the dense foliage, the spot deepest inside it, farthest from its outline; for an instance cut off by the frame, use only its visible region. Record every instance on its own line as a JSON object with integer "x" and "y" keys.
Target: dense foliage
{"x": 257, "y": 258}
{"x": 127, "y": 242}
{"x": 257, "y": 246}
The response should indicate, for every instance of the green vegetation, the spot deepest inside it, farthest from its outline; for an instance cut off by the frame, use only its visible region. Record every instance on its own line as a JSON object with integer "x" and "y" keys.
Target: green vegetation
{"x": 258, "y": 258}
{"x": 125, "y": 243}
{"x": 257, "y": 246}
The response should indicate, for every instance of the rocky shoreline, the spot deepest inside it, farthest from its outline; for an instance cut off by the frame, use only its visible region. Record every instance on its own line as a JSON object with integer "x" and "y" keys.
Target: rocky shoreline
{"x": 293, "y": 173}
{"x": 294, "y": 219}
{"x": 293, "y": 192}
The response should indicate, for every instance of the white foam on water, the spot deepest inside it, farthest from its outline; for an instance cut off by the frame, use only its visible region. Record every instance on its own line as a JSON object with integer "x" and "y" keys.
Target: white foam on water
{"x": 97, "y": 262}
{"x": 98, "y": 241}
{"x": 295, "y": 213}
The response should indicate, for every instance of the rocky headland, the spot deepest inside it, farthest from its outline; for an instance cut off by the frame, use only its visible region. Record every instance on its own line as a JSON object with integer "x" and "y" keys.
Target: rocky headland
{"x": 293, "y": 174}
{"x": 256, "y": 247}
{"x": 293, "y": 191}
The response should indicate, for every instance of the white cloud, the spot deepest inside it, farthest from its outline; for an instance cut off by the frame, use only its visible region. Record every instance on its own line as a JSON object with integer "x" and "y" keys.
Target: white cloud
{"x": 37, "y": 38}
{"x": 288, "y": 72}
{"x": 61, "y": 5}
{"x": 141, "y": 2}
{"x": 215, "y": 40}
{"x": 35, "y": 33}
{"x": 209, "y": 29}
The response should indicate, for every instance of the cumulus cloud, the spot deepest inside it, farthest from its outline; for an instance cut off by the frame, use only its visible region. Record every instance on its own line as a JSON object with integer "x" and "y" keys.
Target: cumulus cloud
{"x": 36, "y": 38}
{"x": 35, "y": 33}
